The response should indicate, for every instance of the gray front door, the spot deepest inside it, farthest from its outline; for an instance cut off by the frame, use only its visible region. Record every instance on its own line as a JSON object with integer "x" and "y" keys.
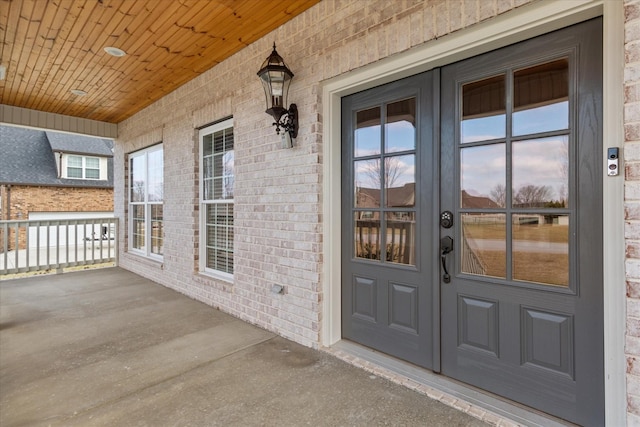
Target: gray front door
{"x": 522, "y": 173}
{"x": 499, "y": 162}
{"x": 389, "y": 204}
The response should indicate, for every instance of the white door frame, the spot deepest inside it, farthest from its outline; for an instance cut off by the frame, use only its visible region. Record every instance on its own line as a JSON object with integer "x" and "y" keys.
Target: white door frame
{"x": 519, "y": 24}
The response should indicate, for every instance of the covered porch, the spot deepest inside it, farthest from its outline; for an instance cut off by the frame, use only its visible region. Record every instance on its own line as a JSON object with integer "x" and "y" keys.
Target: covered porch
{"x": 109, "y": 347}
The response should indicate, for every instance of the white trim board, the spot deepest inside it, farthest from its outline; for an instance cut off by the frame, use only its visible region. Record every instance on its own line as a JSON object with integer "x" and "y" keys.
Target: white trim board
{"x": 519, "y": 24}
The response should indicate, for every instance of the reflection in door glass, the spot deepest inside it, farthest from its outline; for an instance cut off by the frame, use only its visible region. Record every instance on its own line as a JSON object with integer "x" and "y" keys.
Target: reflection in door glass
{"x": 400, "y": 181}
{"x": 401, "y": 237}
{"x": 400, "y": 127}
{"x": 541, "y": 173}
{"x": 367, "y": 136}
{"x": 483, "y": 249}
{"x": 540, "y": 98}
{"x": 541, "y": 248}
{"x": 367, "y": 185}
{"x": 482, "y": 177}
{"x": 483, "y": 110}
{"x": 367, "y": 234}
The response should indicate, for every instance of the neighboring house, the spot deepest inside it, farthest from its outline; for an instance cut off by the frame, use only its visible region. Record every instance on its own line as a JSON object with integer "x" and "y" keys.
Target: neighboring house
{"x": 52, "y": 175}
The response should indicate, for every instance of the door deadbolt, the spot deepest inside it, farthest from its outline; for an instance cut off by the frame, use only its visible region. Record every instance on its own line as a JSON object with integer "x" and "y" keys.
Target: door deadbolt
{"x": 446, "y": 219}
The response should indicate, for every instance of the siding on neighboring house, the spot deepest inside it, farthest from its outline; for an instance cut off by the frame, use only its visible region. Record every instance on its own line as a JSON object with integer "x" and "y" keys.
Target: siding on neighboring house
{"x": 279, "y": 194}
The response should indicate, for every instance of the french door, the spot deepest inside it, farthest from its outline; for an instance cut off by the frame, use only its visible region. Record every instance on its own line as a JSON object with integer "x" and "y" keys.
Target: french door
{"x": 472, "y": 228}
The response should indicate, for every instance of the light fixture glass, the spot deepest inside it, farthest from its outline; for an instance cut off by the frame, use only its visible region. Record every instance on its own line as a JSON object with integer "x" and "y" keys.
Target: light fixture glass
{"x": 78, "y": 92}
{"x": 114, "y": 51}
{"x": 276, "y": 78}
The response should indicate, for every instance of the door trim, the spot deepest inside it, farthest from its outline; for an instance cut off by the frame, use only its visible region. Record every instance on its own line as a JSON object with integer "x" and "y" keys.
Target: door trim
{"x": 519, "y": 24}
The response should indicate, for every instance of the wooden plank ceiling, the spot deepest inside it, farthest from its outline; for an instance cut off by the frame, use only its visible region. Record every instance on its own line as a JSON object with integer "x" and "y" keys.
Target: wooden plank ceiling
{"x": 50, "y": 47}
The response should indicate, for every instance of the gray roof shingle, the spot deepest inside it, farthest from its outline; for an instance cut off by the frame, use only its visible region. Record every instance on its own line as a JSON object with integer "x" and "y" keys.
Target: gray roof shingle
{"x": 26, "y": 157}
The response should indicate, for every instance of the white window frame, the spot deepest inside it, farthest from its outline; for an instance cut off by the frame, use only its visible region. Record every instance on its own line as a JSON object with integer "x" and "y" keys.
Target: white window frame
{"x": 83, "y": 167}
{"x": 225, "y": 124}
{"x": 146, "y": 203}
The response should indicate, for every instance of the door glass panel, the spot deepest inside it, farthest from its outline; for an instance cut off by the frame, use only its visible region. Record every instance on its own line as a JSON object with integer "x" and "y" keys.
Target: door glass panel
{"x": 367, "y": 234}
{"x": 541, "y": 248}
{"x": 400, "y": 127}
{"x": 541, "y": 98}
{"x": 541, "y": 173}
{"x": 367, "y": 185}
{"x": 482, "y": 176}
{"x": 401, "y": 237}
{"x": 367, "y": 138}
{"x": 483, "y": 249}
{"x": 483, "y": 110}
{"x": 399, "y": 174}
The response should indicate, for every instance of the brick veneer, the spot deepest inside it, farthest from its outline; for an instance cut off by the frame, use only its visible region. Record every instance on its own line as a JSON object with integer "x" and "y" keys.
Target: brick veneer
{"x": 279, "y": 195}
{"x": 28, "y": 199}
{"x": 632, "y": 204}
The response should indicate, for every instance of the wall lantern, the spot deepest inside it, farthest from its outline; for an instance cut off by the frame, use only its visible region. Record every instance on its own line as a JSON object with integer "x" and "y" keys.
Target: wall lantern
{"x": 276, "y": 78}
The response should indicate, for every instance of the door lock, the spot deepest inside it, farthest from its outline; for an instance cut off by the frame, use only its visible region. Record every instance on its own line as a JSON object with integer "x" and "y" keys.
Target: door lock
{"x": 446, "y": 219}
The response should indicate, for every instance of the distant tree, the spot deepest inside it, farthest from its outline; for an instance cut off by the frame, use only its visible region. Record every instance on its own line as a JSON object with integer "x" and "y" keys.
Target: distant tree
{"x": 392, "y": 171}
{"x": 499, "y": 195}
{"x": 533, "y": 196}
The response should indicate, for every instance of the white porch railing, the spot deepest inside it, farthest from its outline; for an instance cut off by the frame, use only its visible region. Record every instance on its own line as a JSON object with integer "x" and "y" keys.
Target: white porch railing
{"x": 56, "y": 244}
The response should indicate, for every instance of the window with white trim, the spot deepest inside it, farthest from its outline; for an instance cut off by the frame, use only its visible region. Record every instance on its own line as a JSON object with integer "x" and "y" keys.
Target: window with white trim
{"x": 146, "y": 231}
{"x": 216, "y": 199}
{"x": 83, "y": 167}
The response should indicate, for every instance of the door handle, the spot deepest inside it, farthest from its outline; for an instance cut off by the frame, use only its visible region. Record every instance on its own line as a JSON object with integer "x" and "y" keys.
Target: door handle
{"x": 446, "y": 246}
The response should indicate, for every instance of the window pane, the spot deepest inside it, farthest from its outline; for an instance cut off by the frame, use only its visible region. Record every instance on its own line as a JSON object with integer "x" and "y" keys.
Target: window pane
{"x": 138, "y": 227}
{"x": 156, "y": 169}
{"x": 219, "y": 237}
{"x": 92, "y": 173}
{"x": 367, "y": 235}
{"x": 367, "y": 183}
{"x": 483, "y": 175}
{"x": 138, "y": 177}
{"x": 157, "y": 230}
{"x": 401, "y": 237}
{"x": 483, "y": 110}
{"x": 400, "y": 127}
{"x": 92, "y": 162}
{"x": 400, "y": 180}
{"x": 367, "y": 135}
{"x": 74, "y": 161}
{"x": 74, "y": 172}
{"x": 541, "y": 98}
{"x": 541, "y": 248}
{"x": 483, "y": 249}
{"x": 207, "y": 145}
{"x": 541, "y": 173}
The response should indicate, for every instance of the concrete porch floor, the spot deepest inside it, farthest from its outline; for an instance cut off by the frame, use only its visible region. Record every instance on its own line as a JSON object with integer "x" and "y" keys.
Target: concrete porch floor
{"x": 110, "y": 348}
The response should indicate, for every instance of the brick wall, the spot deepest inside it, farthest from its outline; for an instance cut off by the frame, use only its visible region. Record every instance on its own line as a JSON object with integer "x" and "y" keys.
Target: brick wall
{"x": 632, "y": 203}
{"x": 28, "y": 199}
{"x": 278, "y": 192}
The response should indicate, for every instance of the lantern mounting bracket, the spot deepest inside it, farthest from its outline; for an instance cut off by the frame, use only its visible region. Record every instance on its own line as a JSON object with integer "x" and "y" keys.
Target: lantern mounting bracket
{"x": 288, "y": 122}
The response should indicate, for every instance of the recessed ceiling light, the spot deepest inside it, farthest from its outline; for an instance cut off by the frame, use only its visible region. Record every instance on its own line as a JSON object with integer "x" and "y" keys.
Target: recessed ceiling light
{"x": 3, "y": 72}
{"x": 78, "y": 92}
{"x": 114, "y": 51}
